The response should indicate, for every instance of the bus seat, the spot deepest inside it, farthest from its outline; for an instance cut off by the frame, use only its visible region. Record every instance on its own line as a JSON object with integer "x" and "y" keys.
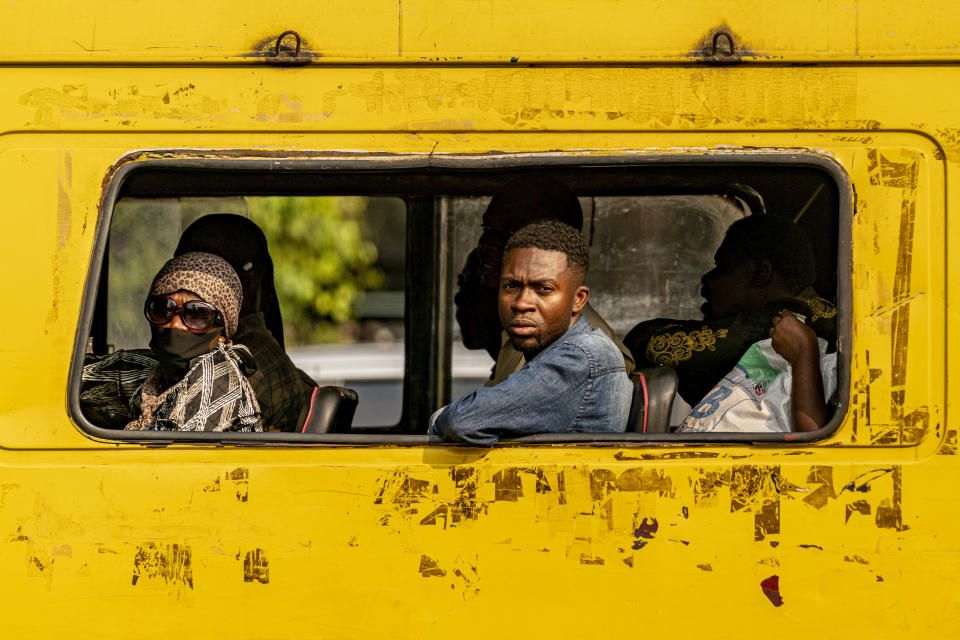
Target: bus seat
{"x": 331, "y": 410}
{"x": 654, "y": 389}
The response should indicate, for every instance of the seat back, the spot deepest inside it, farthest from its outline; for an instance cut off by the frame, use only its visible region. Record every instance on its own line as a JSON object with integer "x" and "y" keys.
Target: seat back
{"x": 653, "y": 391}
{"x": 331, "y": 410}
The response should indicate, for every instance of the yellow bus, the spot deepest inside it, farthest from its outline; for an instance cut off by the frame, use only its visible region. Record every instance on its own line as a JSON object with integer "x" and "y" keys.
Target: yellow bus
{"x": 393, "y": 122}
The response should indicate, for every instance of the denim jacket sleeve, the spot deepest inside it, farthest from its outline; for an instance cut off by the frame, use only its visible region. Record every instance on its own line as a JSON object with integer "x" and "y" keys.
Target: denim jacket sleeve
{"x": 542, "y": 397}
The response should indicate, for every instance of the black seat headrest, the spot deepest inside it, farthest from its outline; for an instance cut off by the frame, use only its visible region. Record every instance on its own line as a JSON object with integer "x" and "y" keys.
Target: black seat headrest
{"x": 654, "y": 389}
{"x": 331, "y": 410}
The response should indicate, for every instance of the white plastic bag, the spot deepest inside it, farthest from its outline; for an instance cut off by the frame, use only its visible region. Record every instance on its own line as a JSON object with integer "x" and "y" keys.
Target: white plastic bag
{"x": 755, "y": 396}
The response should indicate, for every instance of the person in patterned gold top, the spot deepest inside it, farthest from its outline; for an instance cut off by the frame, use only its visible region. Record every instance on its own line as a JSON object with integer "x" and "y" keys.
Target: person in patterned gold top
{"x": 763, "y": 266}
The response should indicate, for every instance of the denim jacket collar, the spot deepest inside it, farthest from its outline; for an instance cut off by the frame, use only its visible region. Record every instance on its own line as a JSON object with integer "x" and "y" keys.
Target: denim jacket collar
{"x": 578, "y": 327}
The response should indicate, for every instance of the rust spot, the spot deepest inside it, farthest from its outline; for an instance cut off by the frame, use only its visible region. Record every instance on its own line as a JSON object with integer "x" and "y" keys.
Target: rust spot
{"x": 628, "y": 561}
{"x": 822, "y": 478}
{"x": 18, "y": 536}
{"x": 255, "y": 567}
{"x": 914, "y": 426}
{"x": 707, "y": 486}
{"x": 720, "y": 45}
{"x": 767, "y": 520}
{"x": 890, "y": 511}
{"x": 859, "y": 506}
{"x": 543, "y": 483}
{"x": 240, "y": 478}
{"x": 586, "y": 558}
{"x": 431, "y": 518}
{"x": 784, "y": 486}
{"x": 402, "y": 489}
{"x": 752, "y": 490}
{"x": 288, "y": 49}
{"x": 465, "y": 505}
{"x": 172, "y": 563}
{"x": 608, "y": 513}
{"x": 771, "y": 589}
{"x": 240, "y": 473}
{"x": 601, "y": 482}
{"x": 604, "y": 481}
{"x": 506, "y": 485}
{"x": 856, "y": 559}
{"x": 905, "y": 176}
{"x": 429, "y": 568}
{"x": 949, "y": 446}
{"x": 950, "y": 139}
{"x": 647, "y": 480}
{"x": 861, "y": 483}
{"x": 646, "y": 528}
{"x": 705, "y": 567}
{"x": 469, "y": 576}
{"x": 669, "y": 455}
{"x": 213, "y": 486}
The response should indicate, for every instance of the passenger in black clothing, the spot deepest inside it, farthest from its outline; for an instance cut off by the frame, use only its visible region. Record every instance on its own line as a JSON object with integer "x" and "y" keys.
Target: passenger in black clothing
{"x": 764, "y": 265}
{"x": 282, "y": 390}
{"x": 525, "y": 199}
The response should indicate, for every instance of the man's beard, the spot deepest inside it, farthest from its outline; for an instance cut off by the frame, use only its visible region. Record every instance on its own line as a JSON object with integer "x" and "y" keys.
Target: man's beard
{"x": 540, "y": 342}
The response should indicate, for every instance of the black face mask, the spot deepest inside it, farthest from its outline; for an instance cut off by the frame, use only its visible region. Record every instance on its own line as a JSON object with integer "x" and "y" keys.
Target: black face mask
{"x": 175, "y": 348}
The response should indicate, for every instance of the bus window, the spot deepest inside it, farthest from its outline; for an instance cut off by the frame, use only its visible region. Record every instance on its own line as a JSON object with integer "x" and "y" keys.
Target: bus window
{"x": 339, "y": 274}
{"x": 366, "y": 262}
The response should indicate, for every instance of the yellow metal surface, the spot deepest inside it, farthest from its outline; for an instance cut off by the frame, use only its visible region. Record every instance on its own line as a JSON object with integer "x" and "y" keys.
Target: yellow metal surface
{"x": 461, "y": 31}
{"x": 100, "y": 539}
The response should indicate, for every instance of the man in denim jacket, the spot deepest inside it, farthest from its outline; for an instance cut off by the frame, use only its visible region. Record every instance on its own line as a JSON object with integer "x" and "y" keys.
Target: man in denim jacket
{"x": 574, "y": 379}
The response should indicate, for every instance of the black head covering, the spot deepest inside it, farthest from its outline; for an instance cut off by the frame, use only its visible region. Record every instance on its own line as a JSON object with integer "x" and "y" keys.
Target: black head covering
{"x": 531, "y": 197}
{"x": 240, "y": 242}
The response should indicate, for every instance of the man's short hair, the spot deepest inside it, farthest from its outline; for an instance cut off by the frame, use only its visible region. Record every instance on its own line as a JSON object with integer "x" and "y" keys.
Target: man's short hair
{"x": 778, "y": 240}
{"x": 551, "y": 235}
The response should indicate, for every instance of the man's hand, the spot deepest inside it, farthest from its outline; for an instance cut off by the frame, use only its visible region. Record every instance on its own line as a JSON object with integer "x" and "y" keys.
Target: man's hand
{"x": 797, "y": 343}
{"x": 792, "y": 339}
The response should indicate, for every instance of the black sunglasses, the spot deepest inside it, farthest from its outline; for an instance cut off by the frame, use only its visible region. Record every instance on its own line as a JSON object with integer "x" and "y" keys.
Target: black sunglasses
{"x": 195, "y": 314}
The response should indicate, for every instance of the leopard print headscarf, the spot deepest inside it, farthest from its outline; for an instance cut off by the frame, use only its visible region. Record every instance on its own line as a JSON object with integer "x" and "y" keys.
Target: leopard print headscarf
{"x": 208, "y": 276}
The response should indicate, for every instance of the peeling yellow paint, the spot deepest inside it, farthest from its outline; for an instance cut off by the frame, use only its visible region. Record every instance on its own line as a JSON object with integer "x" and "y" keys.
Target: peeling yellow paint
{"x": 849, "y": 533}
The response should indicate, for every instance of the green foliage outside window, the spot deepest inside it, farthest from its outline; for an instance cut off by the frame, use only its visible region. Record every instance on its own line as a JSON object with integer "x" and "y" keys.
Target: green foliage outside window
{"x": 324, "y": 261}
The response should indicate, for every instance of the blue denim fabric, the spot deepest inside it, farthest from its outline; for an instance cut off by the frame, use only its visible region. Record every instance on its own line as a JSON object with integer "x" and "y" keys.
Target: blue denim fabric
{"x": 578, "y": 383}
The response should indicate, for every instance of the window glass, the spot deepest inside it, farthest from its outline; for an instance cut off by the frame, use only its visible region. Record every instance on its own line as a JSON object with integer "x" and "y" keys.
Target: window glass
{"x": 339, "y": 272}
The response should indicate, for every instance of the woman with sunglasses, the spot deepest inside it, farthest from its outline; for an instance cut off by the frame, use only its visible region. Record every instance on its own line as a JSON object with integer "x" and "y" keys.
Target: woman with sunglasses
{"x": 193, "y": 378}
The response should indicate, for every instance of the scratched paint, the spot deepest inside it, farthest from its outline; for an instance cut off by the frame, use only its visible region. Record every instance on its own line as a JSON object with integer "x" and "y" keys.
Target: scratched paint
{"x": 175, "y": 537}
{"x": 169, "y": 563}
{"x": 771, "y": 589}
{"x": 256, "y": 568}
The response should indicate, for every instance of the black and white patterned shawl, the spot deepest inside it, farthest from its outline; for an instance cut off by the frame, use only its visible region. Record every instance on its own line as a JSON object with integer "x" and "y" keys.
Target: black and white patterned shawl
{"x": 122, "y": 391}
{"x": 109, "y": 383}
{"x": 213, "y": 396}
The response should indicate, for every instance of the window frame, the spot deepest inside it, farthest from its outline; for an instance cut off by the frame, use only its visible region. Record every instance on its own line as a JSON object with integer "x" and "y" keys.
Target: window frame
{"x": 430, "y": 273}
